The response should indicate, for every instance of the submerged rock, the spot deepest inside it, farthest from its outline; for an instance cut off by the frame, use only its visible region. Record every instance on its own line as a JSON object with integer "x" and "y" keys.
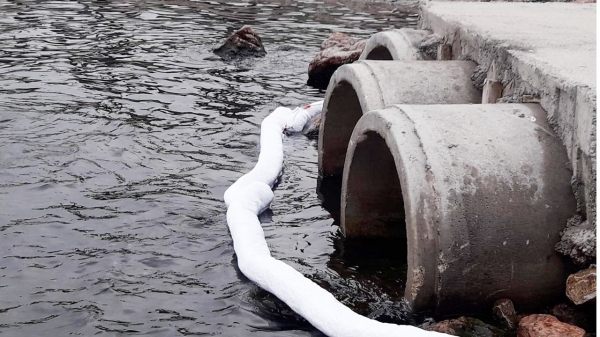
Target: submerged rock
{"x": 581, "y": 286}
{"x": 466, "y": 327}
{"x": 547, "y": 326}
{"x": 242, "y": 43}
{"x": 337, "y": 50}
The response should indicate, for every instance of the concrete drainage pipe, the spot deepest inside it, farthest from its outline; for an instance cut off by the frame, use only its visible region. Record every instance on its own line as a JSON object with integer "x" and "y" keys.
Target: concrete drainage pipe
{"x": 369, "y": 85}
{"x": 398, "y": 44}
{"x": 479, "y": 194}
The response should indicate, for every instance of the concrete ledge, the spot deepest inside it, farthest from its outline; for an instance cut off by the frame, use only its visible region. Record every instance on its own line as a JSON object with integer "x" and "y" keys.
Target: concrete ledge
{"x": 545, "y": 50}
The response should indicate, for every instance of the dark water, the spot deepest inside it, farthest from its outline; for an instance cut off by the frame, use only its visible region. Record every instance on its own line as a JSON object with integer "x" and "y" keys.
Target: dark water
{"x": 119, "y": 133}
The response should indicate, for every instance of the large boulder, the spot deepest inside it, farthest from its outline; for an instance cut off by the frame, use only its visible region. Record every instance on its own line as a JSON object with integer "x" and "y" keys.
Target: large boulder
{"x": 547, "y": 326}
{"x": 337, "y": 50}
{"x": 242, "y": 43}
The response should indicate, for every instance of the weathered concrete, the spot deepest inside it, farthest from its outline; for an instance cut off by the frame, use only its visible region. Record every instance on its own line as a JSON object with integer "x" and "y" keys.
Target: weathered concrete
{"x": 480, "y": 194}
{"x": 368, "y": 85}
{"x": 398, "y": 44}
{"x": 544, "y": 51}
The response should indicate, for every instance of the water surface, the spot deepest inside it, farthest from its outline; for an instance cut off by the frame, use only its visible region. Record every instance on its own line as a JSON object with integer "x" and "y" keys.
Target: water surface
{"x": 119, "y": 133}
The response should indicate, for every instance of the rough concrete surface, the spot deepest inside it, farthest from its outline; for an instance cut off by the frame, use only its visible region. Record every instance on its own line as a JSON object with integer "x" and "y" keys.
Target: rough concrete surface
{"x": 367, "y": 85}
{"x": 480, "y": 193}
{"x": 398, "y": 44}
{"x": 545, "y": 50}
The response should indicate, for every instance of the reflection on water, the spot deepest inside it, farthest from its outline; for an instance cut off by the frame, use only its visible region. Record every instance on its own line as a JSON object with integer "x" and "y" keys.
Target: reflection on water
{"x": 119, "y": 133}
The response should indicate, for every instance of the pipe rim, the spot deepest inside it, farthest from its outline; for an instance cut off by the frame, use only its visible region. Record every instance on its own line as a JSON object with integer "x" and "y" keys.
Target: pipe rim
{"x": 421, "y": 276}
{"x": 370, "y": 83}
{"x": 364, "y": 84}
{"x": 393, "y": 41}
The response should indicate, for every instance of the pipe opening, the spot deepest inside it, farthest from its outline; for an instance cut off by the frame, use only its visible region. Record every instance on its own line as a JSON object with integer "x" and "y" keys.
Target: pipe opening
{"x": 377, "y": 263}
{"x": 343, "y": 112}
{"x": 374, "y": 205}
{"x": 380, "y": 53}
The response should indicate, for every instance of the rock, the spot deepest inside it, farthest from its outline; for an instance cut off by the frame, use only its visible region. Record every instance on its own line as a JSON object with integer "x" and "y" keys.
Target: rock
{"x": 340, "y": 40}
{"x": 547, "y": 326}
{"x": 581, "y": 286}
{"x": 505, "y": 312}
{"x": 337, "y": 50}
{"x": 242, "y": 43}
{"x": 312, "y": 128}
{"x": 574, "y": 316}
{"x": 578, "y": 241}
{"x": 564, "y": 313}
{"x": 466, "y": 327}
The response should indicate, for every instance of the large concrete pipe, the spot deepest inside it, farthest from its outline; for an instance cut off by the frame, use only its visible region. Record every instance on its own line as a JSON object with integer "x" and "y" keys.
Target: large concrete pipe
{"x": 369, "y": 85}
{"x": 398, "y": 44}
{"x": 479, "y": 194}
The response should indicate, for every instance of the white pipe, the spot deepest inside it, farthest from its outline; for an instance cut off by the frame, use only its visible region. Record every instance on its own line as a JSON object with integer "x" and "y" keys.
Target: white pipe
{"x": 251, "y": 195}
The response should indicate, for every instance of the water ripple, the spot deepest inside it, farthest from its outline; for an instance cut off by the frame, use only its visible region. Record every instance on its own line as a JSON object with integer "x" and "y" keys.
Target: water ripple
{"x": 119, "y": 133}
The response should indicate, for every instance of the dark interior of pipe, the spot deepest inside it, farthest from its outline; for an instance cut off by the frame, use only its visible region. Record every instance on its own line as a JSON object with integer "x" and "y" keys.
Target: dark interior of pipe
{"x": 329, "y": 192}
{"x": 343, "y": 112}
{"x": 380, "y": 53}
{"x": 374, "y": 204}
